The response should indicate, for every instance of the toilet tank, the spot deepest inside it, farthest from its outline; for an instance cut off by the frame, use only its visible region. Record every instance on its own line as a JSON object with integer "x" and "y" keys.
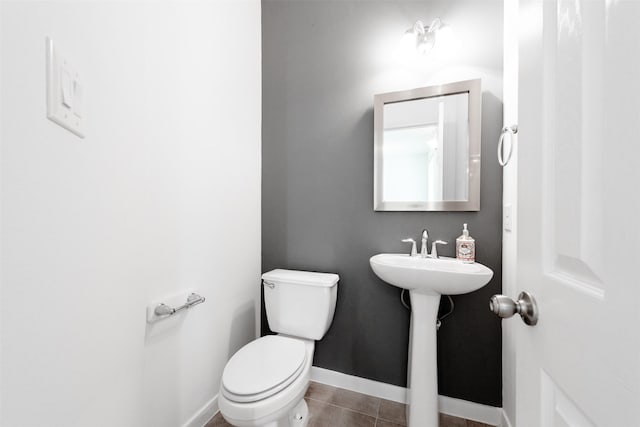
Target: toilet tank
{"x": 300, "y": 303}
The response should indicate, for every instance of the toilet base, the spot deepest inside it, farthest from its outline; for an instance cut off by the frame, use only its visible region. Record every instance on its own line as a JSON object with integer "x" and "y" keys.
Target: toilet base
{"x": 297, "y": 417}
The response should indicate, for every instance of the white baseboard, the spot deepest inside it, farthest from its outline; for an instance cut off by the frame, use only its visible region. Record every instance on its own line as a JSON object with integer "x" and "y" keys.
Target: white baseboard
{"x": 204, "y": 414}
{"x": 448, "y": 405}
{"x": 358, "y": 384}
{"x": 504, "y": 420}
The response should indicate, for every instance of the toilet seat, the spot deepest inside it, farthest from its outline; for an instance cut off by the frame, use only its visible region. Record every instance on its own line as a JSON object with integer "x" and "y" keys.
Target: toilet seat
{"x": 262, "y": 368}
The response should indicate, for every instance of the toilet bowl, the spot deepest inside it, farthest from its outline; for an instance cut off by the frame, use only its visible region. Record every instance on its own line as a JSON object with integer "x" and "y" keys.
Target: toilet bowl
{"x": 252, "y": 394}
{"x": 264, "y": 383}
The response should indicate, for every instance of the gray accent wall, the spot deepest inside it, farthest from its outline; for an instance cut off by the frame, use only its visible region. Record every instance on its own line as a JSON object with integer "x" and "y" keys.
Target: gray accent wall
{"x": 322, "y": 63}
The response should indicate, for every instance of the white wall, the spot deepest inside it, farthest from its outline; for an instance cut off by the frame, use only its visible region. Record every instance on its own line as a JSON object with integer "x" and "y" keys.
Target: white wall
{"x": 161, "y": 196}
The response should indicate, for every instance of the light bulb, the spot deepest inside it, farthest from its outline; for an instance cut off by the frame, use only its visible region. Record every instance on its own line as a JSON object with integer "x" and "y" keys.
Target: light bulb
{"x": 425, "y": 43}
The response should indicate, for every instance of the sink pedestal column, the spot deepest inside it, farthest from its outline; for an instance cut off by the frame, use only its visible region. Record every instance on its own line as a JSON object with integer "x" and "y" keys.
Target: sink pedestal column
{"x": 422, "y": 375}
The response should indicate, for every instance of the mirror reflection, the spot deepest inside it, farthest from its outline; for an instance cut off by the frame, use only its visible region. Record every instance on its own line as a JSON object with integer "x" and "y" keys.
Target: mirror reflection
{"x": 427, "y": 154}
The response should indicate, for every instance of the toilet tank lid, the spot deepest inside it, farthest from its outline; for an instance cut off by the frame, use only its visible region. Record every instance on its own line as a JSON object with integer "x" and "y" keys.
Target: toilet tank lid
{"x": 310, "y": 278}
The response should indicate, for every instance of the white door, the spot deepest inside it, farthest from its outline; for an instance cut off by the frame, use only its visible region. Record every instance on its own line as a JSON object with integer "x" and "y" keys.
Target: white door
{"x": 578, "y": 202}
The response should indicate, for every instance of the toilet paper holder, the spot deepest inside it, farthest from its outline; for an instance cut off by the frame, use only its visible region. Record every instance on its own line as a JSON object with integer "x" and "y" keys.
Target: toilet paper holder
{"x": 163, "y": 311}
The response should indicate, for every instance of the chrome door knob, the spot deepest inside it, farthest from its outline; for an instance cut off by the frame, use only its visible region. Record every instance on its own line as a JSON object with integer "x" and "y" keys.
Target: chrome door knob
{"x": 505, "y": 307}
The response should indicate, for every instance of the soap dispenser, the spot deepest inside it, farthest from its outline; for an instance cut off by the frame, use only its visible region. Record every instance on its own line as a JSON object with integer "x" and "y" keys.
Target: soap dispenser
{"x": 466, "y": 247}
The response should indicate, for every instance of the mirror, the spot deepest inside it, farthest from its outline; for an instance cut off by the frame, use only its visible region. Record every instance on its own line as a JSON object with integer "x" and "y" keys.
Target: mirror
{"x": 427, "y": 148}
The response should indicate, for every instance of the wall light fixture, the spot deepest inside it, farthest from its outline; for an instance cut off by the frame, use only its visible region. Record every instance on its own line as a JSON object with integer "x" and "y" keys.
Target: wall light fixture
{"x": 423, "y": 38}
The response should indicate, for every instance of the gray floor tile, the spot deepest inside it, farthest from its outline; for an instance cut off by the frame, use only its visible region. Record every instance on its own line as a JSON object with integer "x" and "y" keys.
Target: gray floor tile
{"x": 385, "y": 423}
{"x": 393, "y": 411}
{"x": 477, "y": 424}
{"x": 356, "y": 419}
{"x": 321, "y": 392}
{"x": 356, "y": 402}
{"x": 322, "y": 414}
{"x": 218, "y": 421}
{"x": 344, "y": 398}
{"x": 449, "y": 421}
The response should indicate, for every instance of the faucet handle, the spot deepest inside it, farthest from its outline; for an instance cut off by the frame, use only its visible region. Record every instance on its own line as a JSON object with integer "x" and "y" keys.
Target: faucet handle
{"x": 434, "y": 247}
{"x": 414, "y": 252}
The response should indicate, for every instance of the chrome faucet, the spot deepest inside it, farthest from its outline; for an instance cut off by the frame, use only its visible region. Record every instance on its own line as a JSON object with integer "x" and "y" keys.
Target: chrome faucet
{"x": 423, "y": 249}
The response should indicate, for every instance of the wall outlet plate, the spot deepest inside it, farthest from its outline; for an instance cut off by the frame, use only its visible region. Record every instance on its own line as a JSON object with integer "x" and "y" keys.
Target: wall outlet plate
{"x": 64, "y": 92}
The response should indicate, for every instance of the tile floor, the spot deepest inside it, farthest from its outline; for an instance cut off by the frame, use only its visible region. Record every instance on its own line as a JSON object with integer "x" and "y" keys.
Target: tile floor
{"x": 337, "y": 407}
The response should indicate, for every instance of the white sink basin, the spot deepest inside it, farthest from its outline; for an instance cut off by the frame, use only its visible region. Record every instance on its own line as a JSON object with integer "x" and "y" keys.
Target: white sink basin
{"x": 430, "y": 276}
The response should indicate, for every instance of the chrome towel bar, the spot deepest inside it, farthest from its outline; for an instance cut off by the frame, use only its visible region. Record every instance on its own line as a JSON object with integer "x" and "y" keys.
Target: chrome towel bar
{"x": 162, "y": 311}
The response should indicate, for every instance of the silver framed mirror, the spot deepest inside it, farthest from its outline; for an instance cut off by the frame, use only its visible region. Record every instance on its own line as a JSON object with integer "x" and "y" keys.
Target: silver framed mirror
{"x": 427, "y": 148}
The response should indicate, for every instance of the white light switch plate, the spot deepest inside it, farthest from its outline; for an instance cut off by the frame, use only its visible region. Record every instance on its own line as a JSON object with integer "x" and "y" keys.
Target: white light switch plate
{"x": 64, "y": 92}
{"x": 507, "y": 220}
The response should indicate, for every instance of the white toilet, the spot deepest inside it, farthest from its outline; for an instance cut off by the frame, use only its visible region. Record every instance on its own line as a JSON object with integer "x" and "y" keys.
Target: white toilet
{"x": 264, "y": 383}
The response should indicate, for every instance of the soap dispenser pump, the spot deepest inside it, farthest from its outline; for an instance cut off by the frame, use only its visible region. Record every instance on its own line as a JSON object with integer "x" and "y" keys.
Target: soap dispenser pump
{"x": 466, "y": 247}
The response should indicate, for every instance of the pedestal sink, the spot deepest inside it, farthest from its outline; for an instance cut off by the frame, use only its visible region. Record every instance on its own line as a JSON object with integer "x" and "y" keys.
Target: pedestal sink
{"x": 426, "y": 279}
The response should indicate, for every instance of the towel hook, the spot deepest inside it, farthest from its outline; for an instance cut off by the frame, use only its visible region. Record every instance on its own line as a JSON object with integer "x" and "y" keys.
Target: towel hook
{"x": 511, "y": 130}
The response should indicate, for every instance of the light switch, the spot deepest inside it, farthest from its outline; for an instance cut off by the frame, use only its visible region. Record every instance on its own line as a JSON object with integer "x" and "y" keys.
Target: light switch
{"x": 67, "y": 88}
{"x": 506, "y": 217}
{"x": 65, "y": 93}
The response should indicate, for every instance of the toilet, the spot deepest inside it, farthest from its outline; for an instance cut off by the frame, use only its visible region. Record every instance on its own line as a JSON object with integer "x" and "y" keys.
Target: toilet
{"x": 264, "y": 383}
